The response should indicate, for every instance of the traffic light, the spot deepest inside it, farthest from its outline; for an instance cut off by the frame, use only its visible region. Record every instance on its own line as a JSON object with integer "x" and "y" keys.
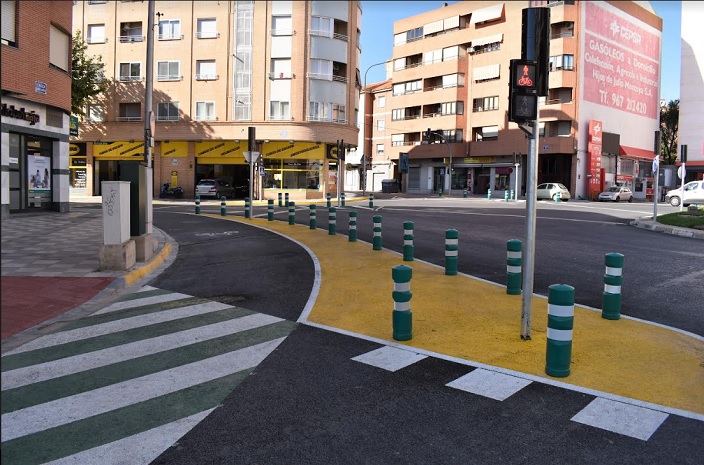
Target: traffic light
{"x": 523, "y": 95}
{"x": 535, "y": 44}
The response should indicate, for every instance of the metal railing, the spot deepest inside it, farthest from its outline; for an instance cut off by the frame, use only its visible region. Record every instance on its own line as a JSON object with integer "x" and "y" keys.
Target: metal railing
{"x": 168, "y": 77}
{"x": 130, "y": 119}
{"x": 207, "y": 77}
{"x": 207, "y": 35}
{"x": 97, "y": 40}
{"x": 132, "y": 38}
{"x": 170, "y": 36}
{"x": 130, "y": 78}
{"x": 167, "y": 118}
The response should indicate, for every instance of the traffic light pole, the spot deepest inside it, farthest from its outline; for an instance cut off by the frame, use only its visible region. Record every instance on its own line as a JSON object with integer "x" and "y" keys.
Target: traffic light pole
{"x": 529, "y": 242}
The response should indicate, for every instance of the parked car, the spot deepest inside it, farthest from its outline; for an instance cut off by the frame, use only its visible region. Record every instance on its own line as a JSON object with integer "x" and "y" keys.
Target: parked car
{"x": 692, "y": 192}
{"x": 214, "y": 188}
{"x": 616, "y": 194}
{"x": 550, "y": 190}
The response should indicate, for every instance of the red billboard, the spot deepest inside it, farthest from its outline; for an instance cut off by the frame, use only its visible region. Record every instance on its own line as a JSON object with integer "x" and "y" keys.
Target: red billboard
{"x": 594, "y": 167}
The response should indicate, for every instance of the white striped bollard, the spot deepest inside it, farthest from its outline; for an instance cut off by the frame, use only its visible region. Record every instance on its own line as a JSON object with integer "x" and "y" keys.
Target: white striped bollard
{"x": 505, "y": 196}
{"x": 197, "y": 204}
{"x": 371, "y": 200}
{"x": 514, "y": 266}
{"x": 342, "y": 198}
{"x": 247, "y": 207}
{"x": 286, "y": 199}
{"x": 328, "y": 197}
{"x": 402, "y": 320}
{"x": 408, "y": 241}
{"x": 332, "y": 221}
{"x": 313, "y": 221}
{"x": 223, "y": 206}
{"x": 281, "y": 203}
{"x": 292, "y": 213}
{"x": 376, "y": 240}
{"x": 270, "y": 210}
{"x": 452, "y": 245}
{"x": 353, "y": 227}
{"x": 613, "y": 279}
{"x": 558, "y": 355}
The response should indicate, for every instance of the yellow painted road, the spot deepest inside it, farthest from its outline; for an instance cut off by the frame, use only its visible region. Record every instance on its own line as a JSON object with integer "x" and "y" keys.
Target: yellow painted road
{"x": 464, "y": 317}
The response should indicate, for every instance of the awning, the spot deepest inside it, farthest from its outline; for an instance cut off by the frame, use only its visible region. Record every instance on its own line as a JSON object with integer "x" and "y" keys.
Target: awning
{"x": 487, "y": 14}
{"x": 488, "y": 40}
{"x": 486, "y": 72}
{"x": 633, "y": 152}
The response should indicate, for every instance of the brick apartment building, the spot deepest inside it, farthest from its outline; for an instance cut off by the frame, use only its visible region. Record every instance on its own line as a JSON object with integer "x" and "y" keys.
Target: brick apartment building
{"x": 289, "y": 69}
{"x": 36, "y": 105}
{"x": 449, "y": 73}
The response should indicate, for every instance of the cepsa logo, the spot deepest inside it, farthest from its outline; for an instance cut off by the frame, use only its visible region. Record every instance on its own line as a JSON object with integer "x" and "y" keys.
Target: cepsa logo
{"x": 624, "y": 32}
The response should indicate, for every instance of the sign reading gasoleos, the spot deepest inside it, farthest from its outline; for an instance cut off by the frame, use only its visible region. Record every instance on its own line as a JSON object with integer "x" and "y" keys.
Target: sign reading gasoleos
{"x": 595, "y": 141}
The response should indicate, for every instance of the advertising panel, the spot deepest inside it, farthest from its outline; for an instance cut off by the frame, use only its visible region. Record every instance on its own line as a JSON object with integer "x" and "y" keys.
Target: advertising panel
{"x": 38, "y": 173}
{"x": 118, "y": 150}
{"x": 221, "y": 152}
{"x": 178, "y": 149}
{"x": 594, "y": 146}
{"x": 286, "y": 150}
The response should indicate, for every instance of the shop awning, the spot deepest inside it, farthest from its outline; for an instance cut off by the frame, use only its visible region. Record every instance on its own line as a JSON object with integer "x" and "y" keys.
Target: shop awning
{"x": 487, "y": 40}
{"x": 633, "y": 152}
{"x": 487, "y": 14}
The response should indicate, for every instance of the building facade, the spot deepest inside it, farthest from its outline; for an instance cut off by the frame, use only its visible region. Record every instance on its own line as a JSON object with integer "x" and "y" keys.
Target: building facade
{"x": 36, "y": 106}
{"x": 450, "y": 75}
{"x": 288, "y": 69}
{"x": 691, "y": 125}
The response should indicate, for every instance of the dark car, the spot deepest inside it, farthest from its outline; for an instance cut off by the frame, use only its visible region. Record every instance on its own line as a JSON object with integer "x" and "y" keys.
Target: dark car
{"x": 214, "y": 188}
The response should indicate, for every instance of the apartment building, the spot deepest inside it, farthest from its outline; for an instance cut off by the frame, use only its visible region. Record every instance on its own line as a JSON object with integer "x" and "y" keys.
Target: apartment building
{"x": 36, "y": 106}
{"x": 450, "y": 74}
{"x": 288, "y": 69}
{"x": 691, "y": 125}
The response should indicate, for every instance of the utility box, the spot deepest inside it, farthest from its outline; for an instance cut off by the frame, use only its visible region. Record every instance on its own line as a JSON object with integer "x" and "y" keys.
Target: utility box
{"x": 134, "y": 172}
{"x": 116, "y": 212}
{"x": 389, "y": 186}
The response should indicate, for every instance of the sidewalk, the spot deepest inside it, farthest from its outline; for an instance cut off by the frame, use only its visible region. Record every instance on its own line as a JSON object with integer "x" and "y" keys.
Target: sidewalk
{"x": 50, "y": 269}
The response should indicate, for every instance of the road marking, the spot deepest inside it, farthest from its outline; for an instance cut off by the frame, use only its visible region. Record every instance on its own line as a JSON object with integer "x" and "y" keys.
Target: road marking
{"x": 629, "y": 420}
{"x": 497, "y": 386}
{"x": 158, "y": 299}
{"x": 389, "y": 358}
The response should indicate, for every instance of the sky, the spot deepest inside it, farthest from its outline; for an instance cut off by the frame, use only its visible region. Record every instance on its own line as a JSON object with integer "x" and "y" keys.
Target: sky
{"x": 378, "y": 18}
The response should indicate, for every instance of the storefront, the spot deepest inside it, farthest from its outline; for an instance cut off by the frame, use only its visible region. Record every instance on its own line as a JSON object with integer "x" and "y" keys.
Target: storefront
{"x": 108, "y": 156}
{"x": 77, "y": 167}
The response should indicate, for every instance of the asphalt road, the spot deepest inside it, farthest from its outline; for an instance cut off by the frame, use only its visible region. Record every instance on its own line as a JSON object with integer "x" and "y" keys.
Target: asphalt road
{"x": 310, "y": 402}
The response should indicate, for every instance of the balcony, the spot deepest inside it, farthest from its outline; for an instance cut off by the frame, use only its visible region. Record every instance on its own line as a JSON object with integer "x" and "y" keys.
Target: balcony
{"x": 97, "y": 40}
{"x": 169, "y": 36}
{"x": 207, "y": 77}
{"x": 274, "y": 76}
{"x": 128, "y": 119}
{"x": 164, "y": 77}
{"x": 132, "y": 38}
{"x": 207, "y": 35}
{"x": 130, "y": 78}
{"x": 166, "y": 118}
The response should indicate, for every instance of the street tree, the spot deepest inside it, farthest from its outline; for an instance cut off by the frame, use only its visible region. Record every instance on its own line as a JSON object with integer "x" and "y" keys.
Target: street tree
{"x": 87, "y": 74}
{"x": 669, "y": 123}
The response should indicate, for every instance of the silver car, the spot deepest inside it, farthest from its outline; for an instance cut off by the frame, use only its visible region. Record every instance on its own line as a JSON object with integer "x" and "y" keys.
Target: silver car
{"x": 551, "y": 190}
{"x": 692, "y": 192}
{"x": 616, "y": 194}
{"x": 214, "y": 188}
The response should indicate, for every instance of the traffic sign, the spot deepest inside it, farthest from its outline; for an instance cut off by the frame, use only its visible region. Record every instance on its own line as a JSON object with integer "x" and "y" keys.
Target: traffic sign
{"x": 681, "y": 172}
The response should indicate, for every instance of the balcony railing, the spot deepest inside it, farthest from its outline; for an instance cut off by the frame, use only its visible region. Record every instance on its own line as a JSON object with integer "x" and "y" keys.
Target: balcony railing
{"x": 339, "y": 78}
{"x": 274, "y": 76}
{"x": 207, "y": 35}
{"x": 282, "y": 32}
{"x": 207, "y": 77}
{"x": 280, "y": 118}
{"x": 132, "y": 38}
{"x": 130, "y": 78}
{"x": 170, "y": 36}
{"x": 97, "y": 40}
{"x": 206, "y": 118}
{"x": 323, "y": 119}
{"x": 167, "y": 77}
{"x": 166, "y": 118}
{"x": 329, "y": 34}
{"x": 128, "y": 119}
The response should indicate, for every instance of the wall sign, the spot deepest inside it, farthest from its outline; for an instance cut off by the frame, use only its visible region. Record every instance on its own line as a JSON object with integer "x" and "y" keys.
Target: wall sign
{"x": 11, "y": 112}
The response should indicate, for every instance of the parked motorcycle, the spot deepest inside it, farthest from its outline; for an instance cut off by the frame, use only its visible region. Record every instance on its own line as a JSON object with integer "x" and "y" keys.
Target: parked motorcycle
{"x": 167, "y": 191}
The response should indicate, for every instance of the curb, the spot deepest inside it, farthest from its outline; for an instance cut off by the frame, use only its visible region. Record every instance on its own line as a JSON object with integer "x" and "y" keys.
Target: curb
{"x": 647, "y": 223}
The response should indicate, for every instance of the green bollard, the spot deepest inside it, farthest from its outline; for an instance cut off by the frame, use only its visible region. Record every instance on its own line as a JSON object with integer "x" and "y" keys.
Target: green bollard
{"x": 402, "y": 320}
{"x": 313, "y": 221}
{"x": 505, "y": 196}
{"x": 451, "y": 251}
{"x": 270, "y": 210}
{"x": 286, "y": 202}
{"x": 342, "y": 198}
{"x": 281, "y": 204}
{"x": 513, "y": 197}
{"x": 328, "y": 197}
{"x": 613, "y": 279}
{"x": 332, "y": 221}
{"x": 560, "y": 324}
{"x": 514, "y": 266}
{"x": 465, "y": 193}
{"x": 408, "y": 241}
{"x": 247, "y": 207}
{"x": 371, "y": 200}
{"x": 376, "y": 240}
{"x": 558, "y": 197}
{"x": 488, "y": 194}
{"x": 292, "y": 213}
{"x": 223, "y": 206}
{"x": 197, "y": 204}
{"x": 353, "y": 227}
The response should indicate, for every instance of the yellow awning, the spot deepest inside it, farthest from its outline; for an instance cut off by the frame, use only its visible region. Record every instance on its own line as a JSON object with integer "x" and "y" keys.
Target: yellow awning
{"x": 121, "y": 150}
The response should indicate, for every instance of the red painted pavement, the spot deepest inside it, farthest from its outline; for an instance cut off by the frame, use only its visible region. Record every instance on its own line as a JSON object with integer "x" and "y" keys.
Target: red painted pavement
{"x": 30, "y": 300}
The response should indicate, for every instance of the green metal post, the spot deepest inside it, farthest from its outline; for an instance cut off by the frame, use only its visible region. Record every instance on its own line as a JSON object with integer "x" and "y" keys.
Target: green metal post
{"x": 281, "y": 204}
{"x": 328, "y": 196}
{"x": 313, "y": 221}
{"x": 197, "y": 204}
{"x": 376, "y": 240}
{"x": 223, "y": 206}
{"x": 353, "y": 226}
{"x": 465, "y": 193}
{"x": 452, "y": 245}
{"x": 371, "y": 200}
{"x": 613, "y": 279}
{"x": 286, "y": 202}
{"x": 505, "y": 196}
{"x": 270, "y": 210}
{"x": 488, "y": 194}
{"x": 247, "y": 207}
{"x": 342, "y": 198}
{"x": 332, "y": 221}
{"x": 560, "y": 324}
{"x": 292, "y": 213}
{"x": 408, "y": 241}
{"x": 402, "y": 320}
{"x": 514, "y": 267}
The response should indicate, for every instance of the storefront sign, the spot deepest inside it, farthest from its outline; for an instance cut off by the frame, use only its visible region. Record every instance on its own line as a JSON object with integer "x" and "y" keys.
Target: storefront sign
{"x": 77, "y": 162}
{"x": 73, "y": 126}
{"x": 220, "y": 152}
{"x": 177, "y": 149}
{"x": 11, "y": 112}
{"x": 118, "y": 150}
{"x": 286, "y": 150}
{"x": 594, "y": 149}
{"x": 478, "y": 160}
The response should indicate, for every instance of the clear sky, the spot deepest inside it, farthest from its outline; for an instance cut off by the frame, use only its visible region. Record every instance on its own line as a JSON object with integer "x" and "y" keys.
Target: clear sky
{"x": 378, "y": 18}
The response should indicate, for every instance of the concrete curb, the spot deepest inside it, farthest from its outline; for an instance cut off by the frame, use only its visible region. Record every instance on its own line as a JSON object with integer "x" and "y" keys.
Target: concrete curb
{"x": 647, "y": 223}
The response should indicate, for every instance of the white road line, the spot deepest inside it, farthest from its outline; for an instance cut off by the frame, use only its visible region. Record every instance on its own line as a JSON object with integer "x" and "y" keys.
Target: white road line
{"x": 84, "y": 362}
{"x": 157, "y": 299}
{"x": 497, "y": 386}
{"x": 389, "y": 358}
{"x": 85, "y": 405}
{"x": 120, "y": 325}
{"x": 139, "y": 448}
{"x": 630, "y": 420}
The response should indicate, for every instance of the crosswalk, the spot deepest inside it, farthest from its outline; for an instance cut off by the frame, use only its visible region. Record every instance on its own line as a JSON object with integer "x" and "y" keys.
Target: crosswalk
{"x": 124, "y": 384}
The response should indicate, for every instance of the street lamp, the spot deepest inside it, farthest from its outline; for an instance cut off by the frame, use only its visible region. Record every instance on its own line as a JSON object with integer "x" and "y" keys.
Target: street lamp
{"x": 364, "y": 165}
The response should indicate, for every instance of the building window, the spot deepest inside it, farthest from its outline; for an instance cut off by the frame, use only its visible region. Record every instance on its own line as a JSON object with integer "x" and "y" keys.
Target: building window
{"x": 130, "y": 112}
{"x": 9, "y": 13}
{"x": 485, "y": 133}
{"x": 414, "y": 34}
{"x": 280, "y": 68}
{"x": 96, "y": 34}
{"x": 95, "y": 113}
{"x": 243, "y": 108}
{"x": 398, "y": 114}
{"x": 561, "y": 30}
{"x": 408, "y": 87}
{"x": 491, "y": 47}
{"x": 380, "y": 125}
{"x": 279, "y": 111}
{"x": 486, "y": 104}
{"x": 130, "y": 71}
{"x": 339, "y": 113}
{"x": 205, "y": 70}
{"x": 321, "y": 26}
{"x": 327, "y": 111}
{"x": 381, "y": 101}
{"x": 168, "y": 71}
{"x": 451, "y": 108}
{"x": 320, "y": 69}
{"x": 562, "y": 62}
{"x": 452, "y": 135}
{"x": 167, "y": 111}
{"x": 170, "y": 29}
{"x": 131, "y": 32}
{"x": 379, "y": 150}
{"x": 59, "y": 48}
{"x": 281, "y": 26}
{"x": 207, "y": 28}
{"x": 205, "y": 111}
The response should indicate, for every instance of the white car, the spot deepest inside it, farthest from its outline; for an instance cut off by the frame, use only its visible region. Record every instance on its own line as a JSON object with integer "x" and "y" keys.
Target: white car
{"x": 616, "y": 193}
{"x": 692, "y": 192}
{"x": 550, "y": 190}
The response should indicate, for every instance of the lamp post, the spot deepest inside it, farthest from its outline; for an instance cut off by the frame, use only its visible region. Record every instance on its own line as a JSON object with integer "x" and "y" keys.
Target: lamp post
{"x": 364, "y": 165}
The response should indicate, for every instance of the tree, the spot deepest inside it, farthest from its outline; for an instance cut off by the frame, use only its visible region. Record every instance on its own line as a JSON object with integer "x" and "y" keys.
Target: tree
{"x": 87, "y": 76}
{"x": 669, "y": 123}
